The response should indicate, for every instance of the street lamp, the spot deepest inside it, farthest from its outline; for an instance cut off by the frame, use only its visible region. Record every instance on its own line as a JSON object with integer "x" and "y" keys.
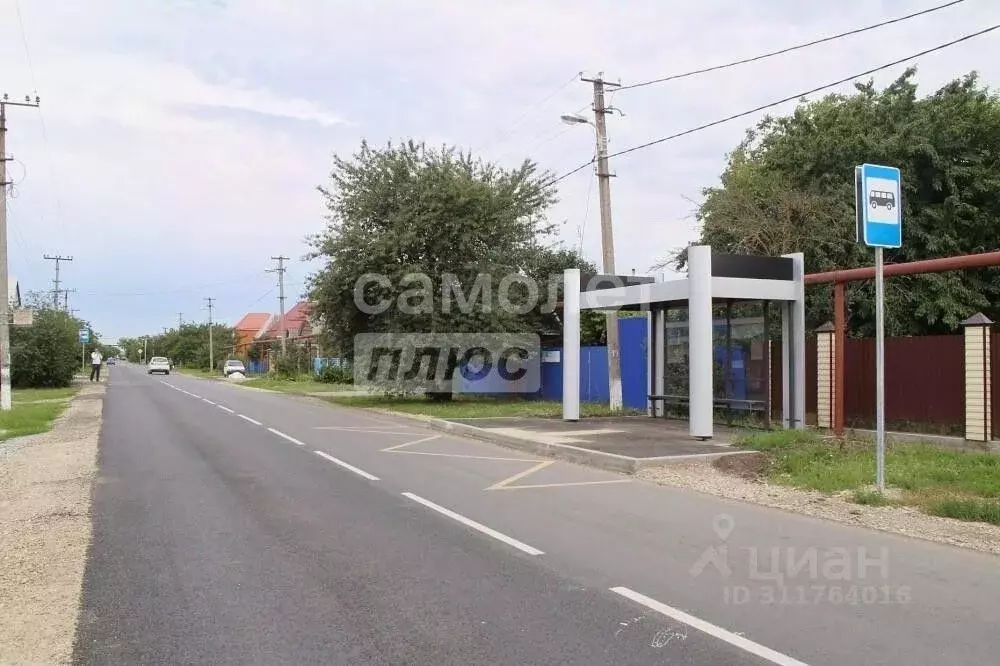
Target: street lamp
{"x": 575, "y": 119}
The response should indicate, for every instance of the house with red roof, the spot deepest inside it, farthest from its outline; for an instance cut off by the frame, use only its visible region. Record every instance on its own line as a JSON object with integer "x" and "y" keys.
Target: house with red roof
{"x": 250, "y": 329}
{"x": 296, "y": 326}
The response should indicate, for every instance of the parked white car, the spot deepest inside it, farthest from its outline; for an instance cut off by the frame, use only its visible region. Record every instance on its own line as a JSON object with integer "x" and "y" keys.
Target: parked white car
{"x": 232, "y": 366}
{"x": 158, "y": 364}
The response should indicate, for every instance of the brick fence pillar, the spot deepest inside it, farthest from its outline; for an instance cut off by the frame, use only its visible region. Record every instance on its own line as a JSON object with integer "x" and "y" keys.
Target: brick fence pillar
{"x": 978, "y": 401}
{"x": 825, "y": 377}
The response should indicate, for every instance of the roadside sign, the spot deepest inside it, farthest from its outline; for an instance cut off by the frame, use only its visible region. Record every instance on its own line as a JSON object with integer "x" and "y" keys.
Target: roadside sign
{"x": 84, "y": 336}
{"x": 24, "y": 317}
{"x": 879, "y": 206}
{"x": 878, "y": 202}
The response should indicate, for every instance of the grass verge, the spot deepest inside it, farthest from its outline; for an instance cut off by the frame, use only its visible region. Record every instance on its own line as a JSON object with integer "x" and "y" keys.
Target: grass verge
{"x": 30, "y": 417}
{"x": 303, "y": 384}
{"x": 467, "y": 407}
{"x": 941, "y": 482}
{"x": 197, "y": 372}
{"x": 20, "y": 396}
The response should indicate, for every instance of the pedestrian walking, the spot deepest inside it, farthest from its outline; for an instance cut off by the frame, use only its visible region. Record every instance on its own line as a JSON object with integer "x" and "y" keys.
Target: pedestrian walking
{"x": 95, "y": 365}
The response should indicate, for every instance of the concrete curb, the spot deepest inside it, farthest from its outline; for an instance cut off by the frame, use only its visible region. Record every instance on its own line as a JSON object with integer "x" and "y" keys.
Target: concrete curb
{"x": 600, "y": 459}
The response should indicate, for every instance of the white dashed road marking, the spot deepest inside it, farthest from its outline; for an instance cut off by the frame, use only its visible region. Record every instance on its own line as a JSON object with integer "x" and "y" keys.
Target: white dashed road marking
{"x": 226, "y": 409}
{"x": 468, "y": 522}
{"x": 347, "y": 466}
{"x": 247, "y": 418}
{"x": 284, "y": 436}
{"x": 709, "y": 628}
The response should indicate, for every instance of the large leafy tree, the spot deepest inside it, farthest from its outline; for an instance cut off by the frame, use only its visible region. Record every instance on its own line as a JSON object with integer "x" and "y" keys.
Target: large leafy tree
{"x": 789, "y": 187}
{"x": 404, "y": 210}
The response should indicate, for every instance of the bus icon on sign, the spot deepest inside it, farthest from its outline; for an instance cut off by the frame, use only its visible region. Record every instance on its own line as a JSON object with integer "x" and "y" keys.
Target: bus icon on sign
{"x": 878, "y": 198}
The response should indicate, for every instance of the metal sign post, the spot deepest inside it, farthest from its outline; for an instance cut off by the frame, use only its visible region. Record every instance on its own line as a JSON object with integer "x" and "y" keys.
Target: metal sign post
{"x": 84, "y": 335}
{"x": 878, "y": 197}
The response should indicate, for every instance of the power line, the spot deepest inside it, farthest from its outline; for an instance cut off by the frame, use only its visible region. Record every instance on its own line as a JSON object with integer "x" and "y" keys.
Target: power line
{"x": 41, "y": 118}
{"x": 780, "y": 101}
{"x": 789, "y": 49}
{"x": 504, "y": 132}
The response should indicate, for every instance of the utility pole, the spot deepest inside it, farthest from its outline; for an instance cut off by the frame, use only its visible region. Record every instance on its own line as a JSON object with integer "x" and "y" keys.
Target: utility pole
{"x": 66, "y": 293}
{"x": 180, "y": 320}
{"x": 211, "y": 345}
{"x": 607, "y": 235}
{"x": 5, "y": 403}
{"x": 280, "y": 270}
{"x": 55, "y": 283}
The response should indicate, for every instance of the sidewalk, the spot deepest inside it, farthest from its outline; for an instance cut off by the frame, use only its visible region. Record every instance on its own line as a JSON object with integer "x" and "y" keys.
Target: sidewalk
{"x": 45, "y": 483}
{"x": 625, "y": 444}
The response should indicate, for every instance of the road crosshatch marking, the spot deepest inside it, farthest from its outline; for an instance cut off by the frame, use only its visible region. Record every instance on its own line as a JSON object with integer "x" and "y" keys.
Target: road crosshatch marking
{"x": 508, "y": 483}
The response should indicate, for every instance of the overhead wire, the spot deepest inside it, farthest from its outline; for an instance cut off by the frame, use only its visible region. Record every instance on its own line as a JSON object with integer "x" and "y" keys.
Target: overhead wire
{"x": 533, "y": 108}
{"x": 45, "y": 132}
{"x": 789, "y": 49}
{"x": 783, "y": 100}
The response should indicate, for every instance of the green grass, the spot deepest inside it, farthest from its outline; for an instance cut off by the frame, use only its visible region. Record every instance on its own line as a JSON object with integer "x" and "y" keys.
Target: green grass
{"x": 971, "y": 509}
{"x": 197, "y": 372}
{"x": 34, "y": 395}
{"x": 944, "y": 482}
{"x": 870, "y": 497}
{"x": 304, "y": 384}
{"x": 29, "y": 419}
{"x": 468, "y": 408}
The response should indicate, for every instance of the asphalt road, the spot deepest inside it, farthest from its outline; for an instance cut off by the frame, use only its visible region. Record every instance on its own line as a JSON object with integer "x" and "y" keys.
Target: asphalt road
{"x": 240, "y": 527}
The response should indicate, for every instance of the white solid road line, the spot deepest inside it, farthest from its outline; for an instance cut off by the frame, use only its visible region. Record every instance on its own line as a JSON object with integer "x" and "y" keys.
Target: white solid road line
{"x": 226, "y": 409}
{"x": 284, "y": 436}
{"x": 208, "y": 401}
{"x": 348, "y": 466}
{"x": 709, "y": 628}
{"x": 247, "y": 418}
{"x": 468, "y": 522}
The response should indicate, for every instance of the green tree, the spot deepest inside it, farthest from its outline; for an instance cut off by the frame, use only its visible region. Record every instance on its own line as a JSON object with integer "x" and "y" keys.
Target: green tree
{"x": 47, "y": 353}
{"x": 789, "y": 187}
{"x": 406, "y": 210}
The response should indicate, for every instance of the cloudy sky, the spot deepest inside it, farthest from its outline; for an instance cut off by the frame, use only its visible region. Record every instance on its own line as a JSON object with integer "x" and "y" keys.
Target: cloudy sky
{"x": 180, "y": 141}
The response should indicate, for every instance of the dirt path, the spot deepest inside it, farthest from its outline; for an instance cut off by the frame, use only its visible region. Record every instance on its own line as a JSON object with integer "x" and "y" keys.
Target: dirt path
{"x": 45, "y": 531}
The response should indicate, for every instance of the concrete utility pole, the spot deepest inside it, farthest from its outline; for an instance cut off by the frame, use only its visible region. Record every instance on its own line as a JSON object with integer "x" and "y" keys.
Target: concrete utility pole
{"x": 280, "y": 270}
{"x": 66, "y": 293}
{"x": 5, "y": 403}
{"x": 211, "y": 345}
{"x": 55, "y": 283}
{"x": 180, "y": 320}
{"x": 607, "y": 236}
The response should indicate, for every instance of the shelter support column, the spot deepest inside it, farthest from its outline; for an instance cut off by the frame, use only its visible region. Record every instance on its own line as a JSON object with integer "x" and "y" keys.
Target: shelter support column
{"x": 978, "y": 379}
{"x": 571, "y": 345}
{"x": 700, "y": 339}
{"x": 793, "y": 349}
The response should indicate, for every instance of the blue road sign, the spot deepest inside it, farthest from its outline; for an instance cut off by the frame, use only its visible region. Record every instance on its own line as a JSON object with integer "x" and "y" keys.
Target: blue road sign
{"x": 879, "y": 205}
{"x": 84, "y": 336}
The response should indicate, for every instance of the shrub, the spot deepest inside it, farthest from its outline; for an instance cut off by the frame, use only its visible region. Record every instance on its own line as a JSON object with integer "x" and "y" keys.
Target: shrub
{"x": 332, "y": 374}
{"x": 45, "y": 354}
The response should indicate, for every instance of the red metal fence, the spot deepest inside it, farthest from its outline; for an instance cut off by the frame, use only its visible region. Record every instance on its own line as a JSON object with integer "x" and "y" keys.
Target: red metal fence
{"x": 924, "y": 383}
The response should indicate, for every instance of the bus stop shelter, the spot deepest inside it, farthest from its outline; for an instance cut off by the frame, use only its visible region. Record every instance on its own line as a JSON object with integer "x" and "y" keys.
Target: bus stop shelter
{"x": 711, "y": 278}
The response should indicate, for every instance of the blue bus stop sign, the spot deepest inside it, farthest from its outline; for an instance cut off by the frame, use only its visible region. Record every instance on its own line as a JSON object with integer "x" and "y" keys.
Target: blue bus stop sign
{"x": 879, "y": 206}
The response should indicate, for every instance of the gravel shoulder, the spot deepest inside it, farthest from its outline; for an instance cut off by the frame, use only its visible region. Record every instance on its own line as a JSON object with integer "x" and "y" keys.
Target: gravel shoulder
{"x": 45, "y": 528}
{"x": 703, "y": 476}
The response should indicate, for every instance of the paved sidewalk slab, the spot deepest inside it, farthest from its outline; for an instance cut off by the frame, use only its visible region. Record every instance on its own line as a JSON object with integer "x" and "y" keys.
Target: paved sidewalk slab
{"x": 621, "y": 444}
